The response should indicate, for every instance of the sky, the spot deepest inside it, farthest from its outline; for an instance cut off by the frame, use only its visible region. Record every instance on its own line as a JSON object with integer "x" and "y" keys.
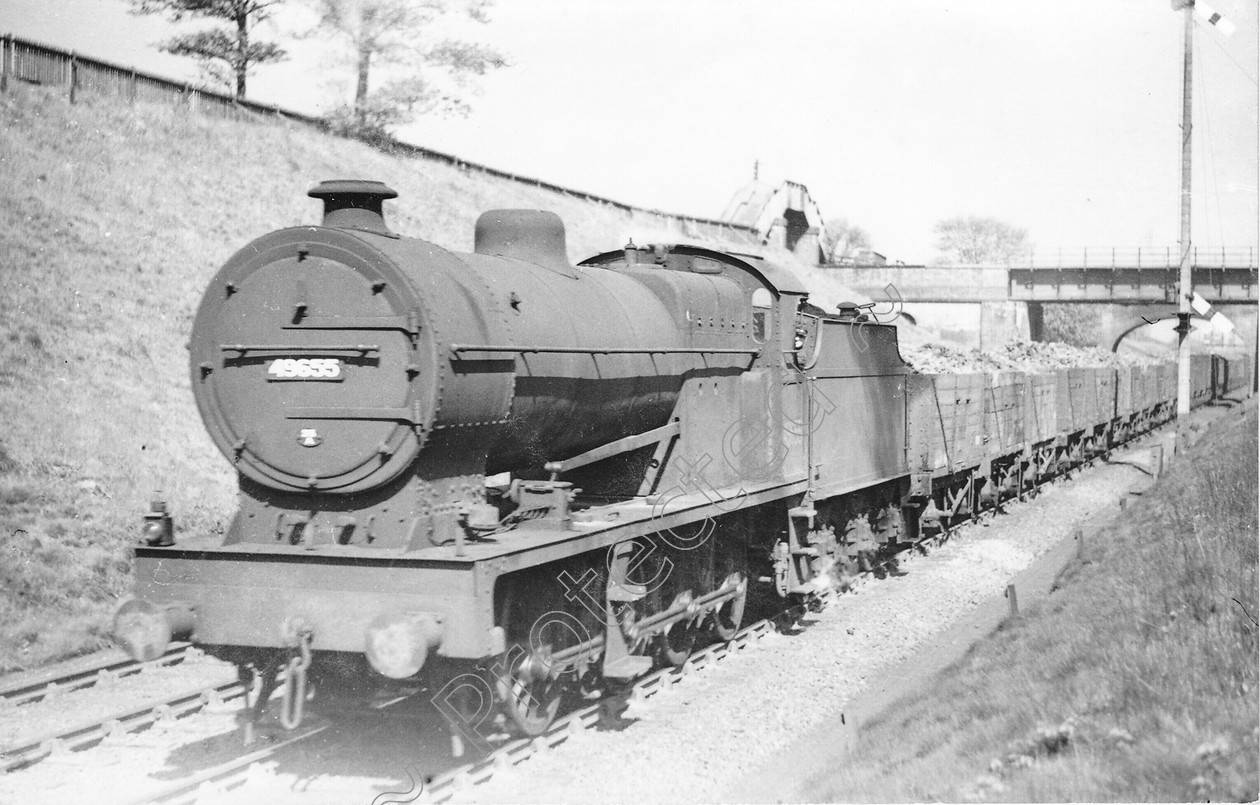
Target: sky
{"x": 1058, "y": 116}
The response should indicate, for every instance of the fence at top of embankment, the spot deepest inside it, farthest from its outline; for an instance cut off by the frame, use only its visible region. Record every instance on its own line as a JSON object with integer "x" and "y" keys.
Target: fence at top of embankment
{"x": 36, "y": 63}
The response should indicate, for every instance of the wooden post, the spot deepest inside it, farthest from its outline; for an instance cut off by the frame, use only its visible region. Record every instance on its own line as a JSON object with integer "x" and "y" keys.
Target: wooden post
{"x": 1010, "y": 595}
{"x": 1184, "y": 279}
{"x": 1080, "y": 544}
{"x": 847, "y": 735}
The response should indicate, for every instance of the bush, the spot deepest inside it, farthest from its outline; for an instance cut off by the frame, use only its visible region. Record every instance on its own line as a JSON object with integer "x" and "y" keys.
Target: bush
{"x": 1071, "y": 324}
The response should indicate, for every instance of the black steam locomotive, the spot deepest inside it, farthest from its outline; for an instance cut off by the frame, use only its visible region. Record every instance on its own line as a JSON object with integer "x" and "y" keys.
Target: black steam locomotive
{"x": 540, "y": 474}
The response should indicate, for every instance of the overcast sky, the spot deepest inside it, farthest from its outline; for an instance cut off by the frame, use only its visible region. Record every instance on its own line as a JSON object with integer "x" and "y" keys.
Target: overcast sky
{"x": 1059, "y": 116}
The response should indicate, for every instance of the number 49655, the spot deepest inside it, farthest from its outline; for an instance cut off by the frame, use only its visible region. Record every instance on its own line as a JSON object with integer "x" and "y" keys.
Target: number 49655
{"x": 304, "y": 369}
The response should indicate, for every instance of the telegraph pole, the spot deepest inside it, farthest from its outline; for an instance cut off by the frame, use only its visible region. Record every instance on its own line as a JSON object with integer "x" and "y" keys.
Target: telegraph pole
{"x": 1184, "y": 283}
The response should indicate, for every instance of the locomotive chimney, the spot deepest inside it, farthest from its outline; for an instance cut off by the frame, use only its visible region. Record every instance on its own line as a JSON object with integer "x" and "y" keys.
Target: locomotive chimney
{"x": 536, "y": 236}
{"x": 354, "y": 204}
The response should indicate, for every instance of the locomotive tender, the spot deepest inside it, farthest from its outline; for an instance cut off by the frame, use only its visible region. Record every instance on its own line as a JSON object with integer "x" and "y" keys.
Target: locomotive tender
{"x": 503, "y": 464}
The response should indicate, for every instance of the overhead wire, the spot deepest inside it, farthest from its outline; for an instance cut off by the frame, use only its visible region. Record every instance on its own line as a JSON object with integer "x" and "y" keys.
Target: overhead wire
{"x": 1230, "y": 56}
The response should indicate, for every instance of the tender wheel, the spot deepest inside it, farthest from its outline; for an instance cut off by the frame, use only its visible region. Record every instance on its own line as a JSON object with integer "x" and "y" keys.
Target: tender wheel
{"x": 727, "y": 618}
{"x": 530, "y": 694}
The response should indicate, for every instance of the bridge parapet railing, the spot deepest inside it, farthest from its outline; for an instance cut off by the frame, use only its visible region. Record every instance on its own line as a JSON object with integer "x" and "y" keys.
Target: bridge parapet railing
{"x": 1144, "y": 257}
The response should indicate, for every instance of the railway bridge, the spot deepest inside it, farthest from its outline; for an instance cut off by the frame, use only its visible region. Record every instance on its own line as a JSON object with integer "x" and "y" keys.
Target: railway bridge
{"x": 1138, "y": 286}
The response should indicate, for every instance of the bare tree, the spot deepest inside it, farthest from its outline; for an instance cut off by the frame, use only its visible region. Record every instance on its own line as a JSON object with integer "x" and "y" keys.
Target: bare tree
{"x": 841, "y": 241}
{"x": 226, "y": 56}
{"x": 429, "y": 72}
{"x": 973, "y": 240}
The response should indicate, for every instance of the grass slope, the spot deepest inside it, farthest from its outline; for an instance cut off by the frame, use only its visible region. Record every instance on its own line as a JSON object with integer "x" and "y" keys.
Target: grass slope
{"x": 112, "y": 221}
{"x": 1135, "y": 681}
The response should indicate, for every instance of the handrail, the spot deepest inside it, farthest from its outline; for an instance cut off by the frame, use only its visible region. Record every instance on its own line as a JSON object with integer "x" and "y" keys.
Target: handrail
{"x": 462, "y": 348}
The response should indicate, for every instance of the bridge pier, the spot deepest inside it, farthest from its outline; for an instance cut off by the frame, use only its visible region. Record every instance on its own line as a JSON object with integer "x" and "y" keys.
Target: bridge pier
{"x": 1036, "y": 321}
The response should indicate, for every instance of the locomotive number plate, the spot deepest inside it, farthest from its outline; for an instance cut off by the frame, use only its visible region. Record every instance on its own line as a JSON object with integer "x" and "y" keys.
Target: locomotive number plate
{"x": 305, "y": 369}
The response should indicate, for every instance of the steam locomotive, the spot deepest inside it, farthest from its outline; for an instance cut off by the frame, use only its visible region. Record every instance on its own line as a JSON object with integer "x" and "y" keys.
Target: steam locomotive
{"x": 543, "y": 475}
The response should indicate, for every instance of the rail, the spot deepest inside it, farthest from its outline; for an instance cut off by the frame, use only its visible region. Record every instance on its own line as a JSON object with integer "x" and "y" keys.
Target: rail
{"x": 218, "y": 782}
{"x": 133, "y": 719}
{"x": 27, "y": 688}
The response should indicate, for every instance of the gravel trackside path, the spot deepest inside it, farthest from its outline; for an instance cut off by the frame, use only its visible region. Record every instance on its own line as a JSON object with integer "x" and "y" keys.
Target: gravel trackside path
{"x": 691, "y": 741}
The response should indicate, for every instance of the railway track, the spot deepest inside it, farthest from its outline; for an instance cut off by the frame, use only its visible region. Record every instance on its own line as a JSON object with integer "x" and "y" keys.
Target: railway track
{"x": 450, "y": 784}
{"x": 132, "y": 719}
{"x": 255, "y": 768}
{"x": 26, "y": 698}
{"x": 444, "y": 787}
{"x": 221, "y": 780}
{"x": 38, "y": 686}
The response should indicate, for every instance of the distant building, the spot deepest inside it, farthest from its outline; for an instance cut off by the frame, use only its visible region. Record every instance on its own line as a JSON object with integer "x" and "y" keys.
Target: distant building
{"x": 870, "y": 257}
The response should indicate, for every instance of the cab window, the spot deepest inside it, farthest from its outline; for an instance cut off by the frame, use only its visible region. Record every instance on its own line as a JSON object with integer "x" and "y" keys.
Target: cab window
{"x": 762, "y": 302}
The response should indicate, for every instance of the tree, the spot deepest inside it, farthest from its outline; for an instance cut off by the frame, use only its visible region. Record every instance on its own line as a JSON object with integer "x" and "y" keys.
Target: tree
{"x": 227, "y": 56}
{"x": 841, "y": 242}
{"x": 428, "y": 71}
{"x": 974, "y": 240}
{"x": 1071, "y": 324}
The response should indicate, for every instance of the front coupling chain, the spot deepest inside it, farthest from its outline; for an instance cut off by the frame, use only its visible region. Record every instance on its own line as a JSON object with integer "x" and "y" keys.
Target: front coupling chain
{"x": 294, "y": 696}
